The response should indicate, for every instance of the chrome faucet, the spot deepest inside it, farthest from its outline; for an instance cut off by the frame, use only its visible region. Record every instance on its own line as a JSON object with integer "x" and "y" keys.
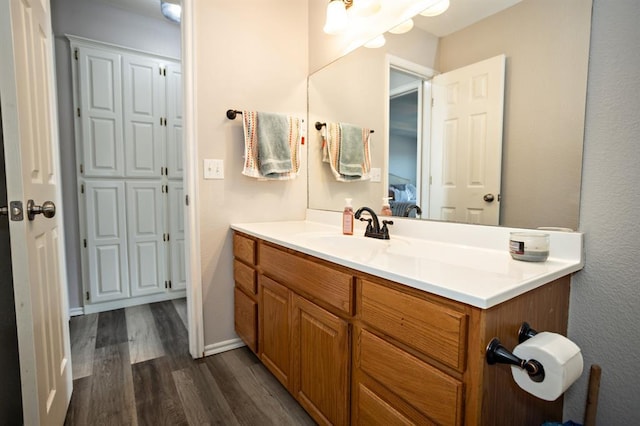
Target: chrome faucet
{"x": 407, "y": 211}
{"x": 373, "y": 225}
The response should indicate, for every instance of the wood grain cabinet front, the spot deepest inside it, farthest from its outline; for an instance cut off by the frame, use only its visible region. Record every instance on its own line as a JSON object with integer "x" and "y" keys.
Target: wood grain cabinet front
{"x": 358, "y": 349}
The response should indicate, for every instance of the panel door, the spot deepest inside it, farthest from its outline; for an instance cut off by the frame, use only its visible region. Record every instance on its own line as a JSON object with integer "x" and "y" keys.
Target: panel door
{"x": 275, "y": 329}
{"x": 143, "y": 116}
{"x": 100, "y": 103}
{"x": 320, "y": 342}
{"x": 174, "y": 121}
{"x": 176, "y": 252}
{"x": 145, "y": 226}
{"x": 106, "y": 240}
{"x": 466, "y": 144}
{"x": 31, "y": 161}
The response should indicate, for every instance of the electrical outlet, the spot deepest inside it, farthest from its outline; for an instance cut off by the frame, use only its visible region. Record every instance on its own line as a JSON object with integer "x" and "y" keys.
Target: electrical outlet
{"x": 376, "y": 174}
{"x": 213, "y": 168}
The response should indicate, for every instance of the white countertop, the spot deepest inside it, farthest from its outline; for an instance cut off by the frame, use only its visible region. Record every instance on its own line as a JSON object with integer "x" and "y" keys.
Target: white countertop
{"x": 467, "y": 263}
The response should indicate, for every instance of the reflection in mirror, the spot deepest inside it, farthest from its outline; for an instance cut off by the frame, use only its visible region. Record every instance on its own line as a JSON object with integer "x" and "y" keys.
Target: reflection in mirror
{"x": 546, "y": 48}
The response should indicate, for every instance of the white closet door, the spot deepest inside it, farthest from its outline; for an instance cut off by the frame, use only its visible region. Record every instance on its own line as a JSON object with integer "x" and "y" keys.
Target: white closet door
{"x": 174, "y": 121}
{"x": 101, "y": 112}
{"x": 145, "y": 221}
{"x": 176, "y": 234}
{"x": 106, "y": 240}
{"x": 143, "y": 116}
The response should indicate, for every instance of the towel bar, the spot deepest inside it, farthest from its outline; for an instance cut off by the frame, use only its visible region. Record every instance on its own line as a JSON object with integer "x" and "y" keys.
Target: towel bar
{"x": 320, "y": 125}
{"x": 232, "y": 113}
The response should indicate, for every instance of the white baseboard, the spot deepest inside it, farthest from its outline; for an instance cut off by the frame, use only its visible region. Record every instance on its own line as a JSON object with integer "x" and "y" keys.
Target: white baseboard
{"x": 74, "y": 312}
{"x": 220, "y": 347}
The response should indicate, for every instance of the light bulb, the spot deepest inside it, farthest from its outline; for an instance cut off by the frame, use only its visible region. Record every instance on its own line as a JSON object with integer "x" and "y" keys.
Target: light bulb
{"x": 437, "y": 9}
{"x": 405, "y": 27}
{"x": 379, "y": 41}
{"x": 336, "y": 17}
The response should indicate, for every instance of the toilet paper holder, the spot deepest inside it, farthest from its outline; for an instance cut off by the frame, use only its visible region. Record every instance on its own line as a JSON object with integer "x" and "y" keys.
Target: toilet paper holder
{"x": 498, "y": 354}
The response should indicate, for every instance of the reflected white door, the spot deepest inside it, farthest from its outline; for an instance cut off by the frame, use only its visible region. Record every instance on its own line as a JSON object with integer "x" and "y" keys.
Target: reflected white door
{"x": 466, "y": 150}
{"x": 28, "y": 117}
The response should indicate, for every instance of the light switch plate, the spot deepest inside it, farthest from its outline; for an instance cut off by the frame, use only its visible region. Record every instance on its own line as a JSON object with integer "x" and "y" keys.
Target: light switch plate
{"x": 376, "y": 174}
{"x": 213, "y": 168}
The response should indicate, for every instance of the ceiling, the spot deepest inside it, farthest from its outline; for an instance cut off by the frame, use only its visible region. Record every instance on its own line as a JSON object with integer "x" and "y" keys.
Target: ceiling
{"x": 150, "y": 8}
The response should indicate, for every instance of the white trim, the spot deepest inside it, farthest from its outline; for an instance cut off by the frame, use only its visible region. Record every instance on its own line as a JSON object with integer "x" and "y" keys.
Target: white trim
{"x": 220, "y": 347}
{"x": 83, "y": 41}
{"x": 76, "y": 312}
{"x": 91, "y": 308}
{"x": 192, "y": 213}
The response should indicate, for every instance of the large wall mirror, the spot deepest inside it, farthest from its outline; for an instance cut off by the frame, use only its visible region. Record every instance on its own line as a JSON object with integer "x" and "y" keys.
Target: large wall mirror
{"x": 543, "y": 46}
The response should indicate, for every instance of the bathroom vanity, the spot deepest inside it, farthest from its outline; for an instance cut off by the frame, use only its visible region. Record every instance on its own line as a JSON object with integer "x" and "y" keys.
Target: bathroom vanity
{"x": 372, "y": 332}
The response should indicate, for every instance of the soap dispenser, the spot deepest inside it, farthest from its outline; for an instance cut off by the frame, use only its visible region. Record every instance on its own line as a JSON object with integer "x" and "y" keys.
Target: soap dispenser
{"x": 386, "y": 209}
{"x": 347, "y": 218}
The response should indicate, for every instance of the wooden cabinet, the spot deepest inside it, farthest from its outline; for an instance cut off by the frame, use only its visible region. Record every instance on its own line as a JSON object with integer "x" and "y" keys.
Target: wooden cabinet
{"x": 245, "y": 293}
{"x": 321, "y": 359}
{"x": 357, "y": 349}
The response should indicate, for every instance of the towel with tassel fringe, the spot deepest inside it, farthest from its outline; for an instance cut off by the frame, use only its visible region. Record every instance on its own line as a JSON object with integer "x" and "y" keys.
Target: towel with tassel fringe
{"x": 271, "y": 145}
{"x": 346, "y": 148}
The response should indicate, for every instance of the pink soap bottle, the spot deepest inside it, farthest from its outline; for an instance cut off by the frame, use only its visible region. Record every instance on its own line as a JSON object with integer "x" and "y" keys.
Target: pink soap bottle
{"x": 347, "y": 218}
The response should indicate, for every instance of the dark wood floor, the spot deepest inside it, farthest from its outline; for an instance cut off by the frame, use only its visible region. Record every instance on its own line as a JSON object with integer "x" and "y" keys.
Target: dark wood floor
{"x": 132, "y": 367}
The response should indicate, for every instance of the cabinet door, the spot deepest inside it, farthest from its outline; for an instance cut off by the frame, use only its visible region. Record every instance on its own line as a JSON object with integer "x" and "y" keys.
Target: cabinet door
{"x": 100, "y": 104}
{"x": 146, "y": 246}
{"x": 174, "y": 121}
{"x": 245, "y": 318}
{"x": 106, "y": 241}
{"x": 275, "y": 329}
{"x": 320, "y": 362}
{"x": 143, "y": 115}
{"x": 176, "y": 252}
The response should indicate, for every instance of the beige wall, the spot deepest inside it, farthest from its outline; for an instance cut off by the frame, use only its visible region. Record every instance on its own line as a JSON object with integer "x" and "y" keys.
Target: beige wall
{"x": 544, "y": 103}
{"x": 249, "y": 55}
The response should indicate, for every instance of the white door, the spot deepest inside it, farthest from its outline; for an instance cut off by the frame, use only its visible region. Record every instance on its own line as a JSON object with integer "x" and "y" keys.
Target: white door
{"x": 100, "y": 112}
{"x": 143, "y": 116}
{"x": 174, "y": 121}
{"x": 28, "y": 116}
{"x": 177, "y": 248}
{"x": 106, "y": 240}
{"x": 466, "y": 145}
{"x": 145, "y": 223}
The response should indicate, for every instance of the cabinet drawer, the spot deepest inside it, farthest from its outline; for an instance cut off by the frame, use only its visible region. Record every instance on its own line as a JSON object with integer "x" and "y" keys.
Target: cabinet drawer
{"x": 245, "y": 277}
{"x": 244, "y": 248}
{"x": 246, "y": 318}
{"x": 373, "y": 410}
{"x": 319, "y": 282}
{"x": 427, "y": 389}
{"x": 433, "y": 329}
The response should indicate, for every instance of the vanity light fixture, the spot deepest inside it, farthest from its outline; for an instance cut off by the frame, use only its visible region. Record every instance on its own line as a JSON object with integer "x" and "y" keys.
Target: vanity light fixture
{"x": 171, "y": 10}
{"x": 379, "y": 41}
{"x": 365, "y": 8}
{"x": 405, "y": 27}
{"x": 436, "y": 9}
{"x": 337, "y": 19}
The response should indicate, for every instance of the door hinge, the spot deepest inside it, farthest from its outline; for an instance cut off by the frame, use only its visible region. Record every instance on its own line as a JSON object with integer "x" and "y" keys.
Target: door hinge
{"x": 78, "y": 112}
{"x": 166, "y": 171}
{"x": 75, "y": 54}
{"x": 164, "y": 71}
{"x": 82, "y": 188}
{"x": 433, "y": 102}
{"x": 186, "y": 199}
{"x": 87, "y": 295}
{"x": 81, "y": 168}
{"x": 84, "y": 242}
{"x": 165, "y": 122}
{"x": 170, "y": 284}
{"x": 166, "y": 284}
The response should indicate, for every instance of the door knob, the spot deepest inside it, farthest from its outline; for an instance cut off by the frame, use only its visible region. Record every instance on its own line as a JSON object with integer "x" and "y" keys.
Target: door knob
{"x": 488, "y": 198}
{"x": 47, "y": 209}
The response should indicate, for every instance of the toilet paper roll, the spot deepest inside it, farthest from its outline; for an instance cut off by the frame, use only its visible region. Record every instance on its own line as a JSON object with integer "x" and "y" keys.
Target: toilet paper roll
{"x": 560, "y": 358}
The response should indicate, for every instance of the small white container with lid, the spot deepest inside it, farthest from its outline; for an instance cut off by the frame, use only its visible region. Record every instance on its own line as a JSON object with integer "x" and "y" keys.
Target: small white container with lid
{"x": 529, "y": 246}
